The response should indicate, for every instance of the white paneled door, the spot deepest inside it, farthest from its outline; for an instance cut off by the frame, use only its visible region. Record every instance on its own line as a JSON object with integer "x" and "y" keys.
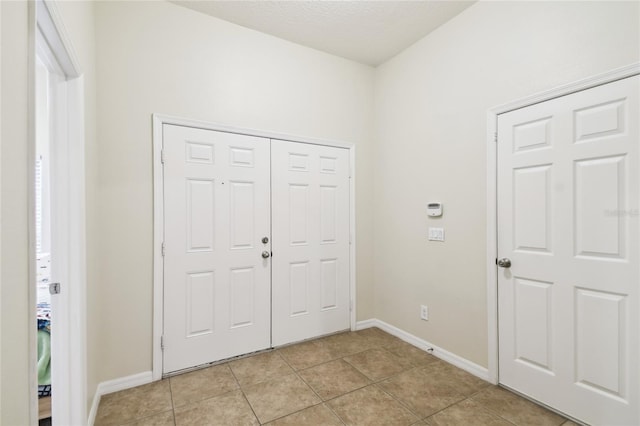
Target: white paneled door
{"x": 310, "y": 185}
{"x": 217, "y": 295}
{"x": 224, "y": 293}
{"x": 568, "y": 224}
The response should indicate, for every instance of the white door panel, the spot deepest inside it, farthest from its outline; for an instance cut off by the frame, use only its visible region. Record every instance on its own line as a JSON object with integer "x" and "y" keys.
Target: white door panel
{"x": 216, "y": 284}
{"x": 310, "y": 202}
{"x": 568, "y": 219}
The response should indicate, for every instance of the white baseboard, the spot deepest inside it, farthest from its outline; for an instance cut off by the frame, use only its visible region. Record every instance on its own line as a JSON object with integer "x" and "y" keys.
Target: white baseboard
{"x": 116, "y": 385}
{"x": 437, "y": 351}
{"x": 361, "y": 325}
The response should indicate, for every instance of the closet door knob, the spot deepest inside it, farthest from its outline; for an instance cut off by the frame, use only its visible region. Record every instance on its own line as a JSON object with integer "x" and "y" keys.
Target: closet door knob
{"x": 504, "y": 263}
{"x": 265, "y": 254}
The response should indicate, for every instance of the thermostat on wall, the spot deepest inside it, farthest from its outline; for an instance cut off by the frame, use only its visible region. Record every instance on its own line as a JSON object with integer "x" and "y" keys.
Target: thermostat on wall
{"x": 434, "y": 209}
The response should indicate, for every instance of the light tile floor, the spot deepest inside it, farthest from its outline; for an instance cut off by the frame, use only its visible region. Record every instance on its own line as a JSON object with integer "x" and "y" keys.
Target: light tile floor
{"x": 366, "y": 377}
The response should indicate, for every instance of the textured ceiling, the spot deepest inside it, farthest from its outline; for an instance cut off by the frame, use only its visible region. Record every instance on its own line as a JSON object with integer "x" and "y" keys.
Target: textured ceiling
{"x": 369, "y": 32}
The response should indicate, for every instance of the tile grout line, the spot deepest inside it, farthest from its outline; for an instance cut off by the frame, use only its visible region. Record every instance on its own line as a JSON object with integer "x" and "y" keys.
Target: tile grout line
{"x": 364, "y": 374}
{"x": 225, "y": 393}
{"x": 402, "y": 403}
{"x": 449, "y": 406}
{"x": 342, "y": 356}
{"x": 137, "y": 419}
{"x": 462, "y": 400}
{"x": 310, "y": 387}
{"x": 323, "y": 402}
{"x": 297, "y": 375}
{"x": 250, "y": 406}
{"x": 173, "y": 406}
{"x": 564, "y": 419}
{"x": 244, "y": 395}
{"x": 372, "y": 383}
{"x": 134, "y": 419}
{"x": 403, "y": 370}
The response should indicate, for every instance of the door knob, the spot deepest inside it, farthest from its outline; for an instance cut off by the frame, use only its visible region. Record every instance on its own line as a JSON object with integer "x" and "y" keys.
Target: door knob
{"x": 265, "y": 240}
{"x": 265, "y": 254}
{"x": 504, "y": 263}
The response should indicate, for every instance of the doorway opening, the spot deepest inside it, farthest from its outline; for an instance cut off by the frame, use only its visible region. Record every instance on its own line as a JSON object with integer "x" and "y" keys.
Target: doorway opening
{"x": 306, "y": 183}
{"x": 42, "y": 179}
{"x": 57, "y": 224}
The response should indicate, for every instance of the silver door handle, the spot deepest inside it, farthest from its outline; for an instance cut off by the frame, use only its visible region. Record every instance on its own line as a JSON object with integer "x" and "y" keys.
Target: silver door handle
{"x": 54, "y": 288}
{"x": 504, "y": 263}
{"x": 265, "y": 254}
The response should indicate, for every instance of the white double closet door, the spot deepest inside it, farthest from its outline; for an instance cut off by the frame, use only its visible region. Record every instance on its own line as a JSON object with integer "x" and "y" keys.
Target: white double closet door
{"x": 256, "y": 243}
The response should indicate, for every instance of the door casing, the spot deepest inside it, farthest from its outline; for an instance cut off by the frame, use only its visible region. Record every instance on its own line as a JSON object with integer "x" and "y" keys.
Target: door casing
{"x": 69, "y": 347}
{"x": 158, "y": 214}
{"x": 491, "y": 196}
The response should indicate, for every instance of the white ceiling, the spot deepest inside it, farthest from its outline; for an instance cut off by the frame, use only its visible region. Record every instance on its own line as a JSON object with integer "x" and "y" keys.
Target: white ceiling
{"x": 369, "y": 32}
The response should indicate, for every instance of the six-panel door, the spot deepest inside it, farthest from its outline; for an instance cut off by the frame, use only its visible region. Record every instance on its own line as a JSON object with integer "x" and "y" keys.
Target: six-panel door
{"x": 217, "y": 295}
{"x": 568, "y": 219}
{"x": 223, "y": 296}
{"x": 310, "y": 202}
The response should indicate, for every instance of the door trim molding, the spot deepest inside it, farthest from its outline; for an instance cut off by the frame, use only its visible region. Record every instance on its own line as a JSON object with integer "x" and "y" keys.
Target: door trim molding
{"x": 492, "y": 195}
{"x": 71, "y": 383}
{"x": 158, "y": 120}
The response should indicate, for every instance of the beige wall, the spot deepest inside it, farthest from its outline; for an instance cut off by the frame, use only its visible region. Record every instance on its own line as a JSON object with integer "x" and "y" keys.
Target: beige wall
{"x": 156, "y": 57}
{"x": 431, "y": 104}
{"x": 14, "y": 291}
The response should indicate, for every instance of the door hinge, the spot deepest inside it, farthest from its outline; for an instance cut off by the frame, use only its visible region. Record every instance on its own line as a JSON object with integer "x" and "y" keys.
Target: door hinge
{"x": 350, "y": 238}
{"x": 495, "y": 137}
{"x": 162, "y": 343}
{"x": 350, "y": 305}
{"x": 163, "y": 249}
{"x": 54, "y": 288}
{"x": 162, "y": 156}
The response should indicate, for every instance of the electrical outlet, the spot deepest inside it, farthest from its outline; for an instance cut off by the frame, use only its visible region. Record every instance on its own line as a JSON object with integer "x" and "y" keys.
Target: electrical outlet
{"x": 424, "y": 312}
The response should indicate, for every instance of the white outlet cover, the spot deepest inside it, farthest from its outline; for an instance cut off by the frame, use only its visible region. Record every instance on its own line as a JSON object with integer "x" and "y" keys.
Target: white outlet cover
{"x": 424, "y": 312}
{"x": 436, "y": 234}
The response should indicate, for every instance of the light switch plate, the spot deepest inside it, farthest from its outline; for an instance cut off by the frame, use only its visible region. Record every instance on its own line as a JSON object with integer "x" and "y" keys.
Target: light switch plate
{"x": 436, "y": 234}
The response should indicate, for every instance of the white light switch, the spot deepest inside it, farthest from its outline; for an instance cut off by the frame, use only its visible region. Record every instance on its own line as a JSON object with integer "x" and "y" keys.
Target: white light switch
{"x": 436, "y": 234}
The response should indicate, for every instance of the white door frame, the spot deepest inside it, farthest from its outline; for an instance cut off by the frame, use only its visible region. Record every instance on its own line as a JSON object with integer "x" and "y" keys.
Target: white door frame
{"x": 492, "y": 195}
{"x": 69, "y": 349}
{"x": 158, "y": 214}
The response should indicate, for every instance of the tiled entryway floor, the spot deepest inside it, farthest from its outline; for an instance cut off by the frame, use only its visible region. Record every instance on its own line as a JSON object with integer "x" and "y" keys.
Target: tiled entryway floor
{"x": 366, "y": 377}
